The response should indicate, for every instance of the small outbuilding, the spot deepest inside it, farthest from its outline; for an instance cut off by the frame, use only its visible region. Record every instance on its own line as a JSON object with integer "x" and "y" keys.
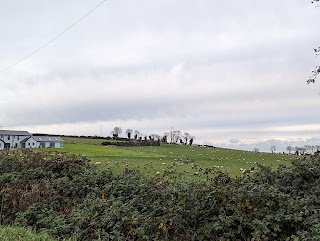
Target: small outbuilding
{"x": 49, "y": 141}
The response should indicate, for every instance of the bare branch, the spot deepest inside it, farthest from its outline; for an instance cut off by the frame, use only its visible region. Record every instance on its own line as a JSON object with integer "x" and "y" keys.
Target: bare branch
{"x": 313, "y": 76}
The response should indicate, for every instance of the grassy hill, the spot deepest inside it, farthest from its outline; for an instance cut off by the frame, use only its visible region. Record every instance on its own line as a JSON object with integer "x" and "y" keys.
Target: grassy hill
{"x": 179, "y": 159}
{"x": 67, "y": 197}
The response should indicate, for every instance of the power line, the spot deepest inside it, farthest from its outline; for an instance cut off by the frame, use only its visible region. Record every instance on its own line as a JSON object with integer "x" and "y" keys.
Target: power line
{"x": 53, "y": 39}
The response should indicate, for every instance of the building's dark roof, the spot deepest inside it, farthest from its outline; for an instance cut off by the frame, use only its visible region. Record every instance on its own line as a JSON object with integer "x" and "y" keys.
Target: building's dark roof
{"x": 14, "y": 133}
{"x": 48, "y": 139}
{"x": 25, "y": 139}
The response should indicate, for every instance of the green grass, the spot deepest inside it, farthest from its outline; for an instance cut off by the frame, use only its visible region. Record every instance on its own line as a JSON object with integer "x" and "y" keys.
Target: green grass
{"x": 76, "y": 140}
{"x": 10, "y": 233}
{"x": 182, "y": 160}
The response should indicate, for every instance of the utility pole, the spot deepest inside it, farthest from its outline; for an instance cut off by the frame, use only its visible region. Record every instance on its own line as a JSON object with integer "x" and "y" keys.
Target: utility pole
{"x": 100, "y": 130}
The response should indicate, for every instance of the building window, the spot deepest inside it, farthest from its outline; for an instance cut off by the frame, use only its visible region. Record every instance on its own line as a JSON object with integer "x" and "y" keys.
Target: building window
{"x": 61, "y": 144}
{"x": 8, "y": 138}
{"x": 52, "y": 144}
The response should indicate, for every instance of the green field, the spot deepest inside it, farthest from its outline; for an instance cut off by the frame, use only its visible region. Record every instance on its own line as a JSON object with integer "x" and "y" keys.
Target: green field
{"x": 62, "y": 195}
{"x": 187, "y": 161}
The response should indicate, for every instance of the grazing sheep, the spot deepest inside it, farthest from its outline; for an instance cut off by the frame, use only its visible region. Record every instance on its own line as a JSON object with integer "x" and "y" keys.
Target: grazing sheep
{"x": 243, "y": 170}
{"x": 97, "y": 163}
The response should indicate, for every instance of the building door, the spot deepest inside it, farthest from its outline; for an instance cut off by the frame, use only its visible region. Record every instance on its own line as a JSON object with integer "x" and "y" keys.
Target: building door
{"x": 6, "y": 145}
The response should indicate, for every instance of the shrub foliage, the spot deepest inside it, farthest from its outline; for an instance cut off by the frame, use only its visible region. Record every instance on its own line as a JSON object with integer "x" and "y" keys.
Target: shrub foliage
{"x": 66, "y": 196}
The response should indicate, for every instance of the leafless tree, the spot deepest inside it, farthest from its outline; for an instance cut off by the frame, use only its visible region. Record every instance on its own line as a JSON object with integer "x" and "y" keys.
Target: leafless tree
{"x": 186, "y": 137}
{"x": 316, "y": 71}
{"x": 256, "y": 149}
{"x": 302, "y": 150}
{"x": 289, "y": 149}
{"x": 191, "y": 140}
{"x": 116, "y": 131}
{"x": 136, "y": 134}
{"x": 176, "y": 135}
{"x": 155, "y": 137}
{"x": 307, "y": 148}
{"x": 129, "y": 133}
{"x": 166, "y": 136}
{"x": 273, "y": 148}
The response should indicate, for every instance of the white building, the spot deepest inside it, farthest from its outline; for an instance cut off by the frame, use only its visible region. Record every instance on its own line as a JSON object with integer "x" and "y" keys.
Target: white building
{"x": 12, "y": 139}
{"x": 49, "y": 141}
{"x": 23, "y": 139}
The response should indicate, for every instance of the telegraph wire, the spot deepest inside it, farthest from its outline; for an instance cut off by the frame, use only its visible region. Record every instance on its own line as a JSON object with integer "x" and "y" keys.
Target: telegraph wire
{"x": 53, "y": 39}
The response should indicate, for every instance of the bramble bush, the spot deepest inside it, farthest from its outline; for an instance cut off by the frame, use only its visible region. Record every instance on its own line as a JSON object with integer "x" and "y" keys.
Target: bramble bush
{"x": 65, "y": 196}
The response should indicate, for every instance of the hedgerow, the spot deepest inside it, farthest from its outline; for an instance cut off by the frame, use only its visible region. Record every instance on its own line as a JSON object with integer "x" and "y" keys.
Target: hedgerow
{"x": 65, "y": 196}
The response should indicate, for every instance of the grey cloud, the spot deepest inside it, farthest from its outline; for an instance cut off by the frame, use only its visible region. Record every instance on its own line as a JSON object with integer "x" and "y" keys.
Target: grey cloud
{"x": 236, "y": 69}
{"x": 234, "y": 140}
{"x": 281, "y": 145}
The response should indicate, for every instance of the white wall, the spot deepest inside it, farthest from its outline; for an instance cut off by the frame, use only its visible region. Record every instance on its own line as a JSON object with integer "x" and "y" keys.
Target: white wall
{"x": 14, "y": 140}
{"x": 31, "y": 143}
{"x": 47, "y": 144}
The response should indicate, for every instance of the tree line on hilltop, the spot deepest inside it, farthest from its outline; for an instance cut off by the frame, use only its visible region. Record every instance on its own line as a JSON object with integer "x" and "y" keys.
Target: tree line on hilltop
{"x": 306, "y": 149}
{"x": 299, "y": 151}
{"x": 176, "y": 137}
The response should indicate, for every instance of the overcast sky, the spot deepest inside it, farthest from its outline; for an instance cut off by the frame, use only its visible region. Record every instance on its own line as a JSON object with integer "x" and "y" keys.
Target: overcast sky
{"x": 231, "y": 73}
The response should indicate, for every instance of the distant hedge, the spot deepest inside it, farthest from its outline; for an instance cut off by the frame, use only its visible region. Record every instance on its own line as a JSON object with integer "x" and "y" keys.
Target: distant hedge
{"x": 132, "y": 143}
{"x": 65, "y": 196}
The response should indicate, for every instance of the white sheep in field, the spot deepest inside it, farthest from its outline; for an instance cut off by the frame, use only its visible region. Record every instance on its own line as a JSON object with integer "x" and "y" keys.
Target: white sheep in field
{"x": 97, "y": 163}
